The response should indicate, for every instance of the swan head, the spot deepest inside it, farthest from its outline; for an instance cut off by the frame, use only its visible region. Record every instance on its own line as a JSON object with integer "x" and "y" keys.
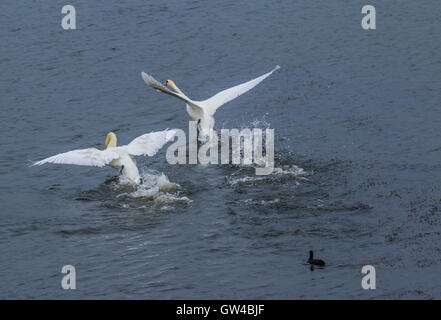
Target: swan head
{"x": 110, "y": 140}
{"x": 171, "y": 84}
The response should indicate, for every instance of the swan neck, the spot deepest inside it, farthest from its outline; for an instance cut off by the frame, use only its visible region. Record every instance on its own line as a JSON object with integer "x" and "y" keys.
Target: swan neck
{"x": 175, "y": 87}
{"x": 111, "y": 140}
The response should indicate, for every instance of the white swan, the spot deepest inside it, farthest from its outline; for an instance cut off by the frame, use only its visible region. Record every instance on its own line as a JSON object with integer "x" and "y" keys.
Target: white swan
{"x": 120, "y": 158}
{"x": 203, "y": 111}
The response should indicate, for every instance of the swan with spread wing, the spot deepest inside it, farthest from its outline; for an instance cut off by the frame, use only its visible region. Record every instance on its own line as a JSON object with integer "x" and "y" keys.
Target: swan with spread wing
{"x": 119, "y": 157}
{"x": 203, "y": 111}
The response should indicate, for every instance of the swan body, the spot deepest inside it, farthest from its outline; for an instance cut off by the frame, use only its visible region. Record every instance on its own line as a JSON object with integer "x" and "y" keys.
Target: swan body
{"x": 203, "y": 111}
{"x": 120, "y": 158}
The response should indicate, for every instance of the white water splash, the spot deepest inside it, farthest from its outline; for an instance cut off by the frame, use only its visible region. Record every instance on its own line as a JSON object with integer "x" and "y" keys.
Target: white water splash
{"x": 155, "y": 186}
{"x": 293, "y": 171}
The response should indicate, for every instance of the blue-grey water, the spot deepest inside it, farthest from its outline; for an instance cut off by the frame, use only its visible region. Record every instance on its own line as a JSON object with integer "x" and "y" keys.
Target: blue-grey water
{"x": 356, "y": 115}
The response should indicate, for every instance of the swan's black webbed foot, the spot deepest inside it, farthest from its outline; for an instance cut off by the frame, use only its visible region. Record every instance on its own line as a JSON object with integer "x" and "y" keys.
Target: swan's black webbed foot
{"x": 121, "y": 170}
{"x": 141, "y": 181}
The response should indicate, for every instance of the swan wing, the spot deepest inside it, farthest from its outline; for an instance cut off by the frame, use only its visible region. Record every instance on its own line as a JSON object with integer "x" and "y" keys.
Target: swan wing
{"x": 150, "y": 143}
{"x": 227, "y": 95}
{"x": 155, "y": 84}
{"x": 82, "y": 157}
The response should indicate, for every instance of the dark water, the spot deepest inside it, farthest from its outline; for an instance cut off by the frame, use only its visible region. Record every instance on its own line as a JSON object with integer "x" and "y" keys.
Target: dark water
{"x": 356, "y": 115}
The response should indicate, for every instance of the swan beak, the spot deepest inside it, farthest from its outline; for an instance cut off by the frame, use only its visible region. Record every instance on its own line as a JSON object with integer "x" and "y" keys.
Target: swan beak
{"x": 165, "y": 83}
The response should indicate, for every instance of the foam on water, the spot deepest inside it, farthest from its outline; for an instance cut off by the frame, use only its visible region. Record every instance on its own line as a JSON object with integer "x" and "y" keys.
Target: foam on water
{"x": 259, "y": 202}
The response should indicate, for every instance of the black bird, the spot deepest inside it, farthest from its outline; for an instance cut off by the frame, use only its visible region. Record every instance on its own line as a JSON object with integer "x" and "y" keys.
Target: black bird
{"x": 315, "y": 262}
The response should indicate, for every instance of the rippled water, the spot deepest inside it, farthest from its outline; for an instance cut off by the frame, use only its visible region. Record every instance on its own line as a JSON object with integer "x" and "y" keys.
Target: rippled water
{"x": 357, "y": 148}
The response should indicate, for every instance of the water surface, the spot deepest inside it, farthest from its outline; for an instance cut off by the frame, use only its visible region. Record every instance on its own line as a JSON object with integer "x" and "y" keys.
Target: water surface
{"x": 356, "y": 116}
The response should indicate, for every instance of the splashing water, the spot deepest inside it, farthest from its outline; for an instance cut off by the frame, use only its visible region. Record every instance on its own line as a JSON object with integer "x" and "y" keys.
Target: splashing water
{"x": 155, "y": 186}
{"x": 291, "y": 171}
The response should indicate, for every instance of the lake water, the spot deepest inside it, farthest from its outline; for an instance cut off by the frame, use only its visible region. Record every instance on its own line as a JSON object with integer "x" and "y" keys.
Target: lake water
{"x": 356, "y": 115}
